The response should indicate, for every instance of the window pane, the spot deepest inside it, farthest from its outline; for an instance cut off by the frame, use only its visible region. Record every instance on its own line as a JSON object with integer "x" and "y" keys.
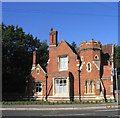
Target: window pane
{"x": 65, "y": 90}
{"x": 60, "y": 89}
{"x": 57, "y": 89}
{"x": 36, "y": 89}
{"x": 60, "y": 82}
{"x": 57, "y": 81}
{"x": 64, "y": 82}
{"x": 40, "y": 89}
{"x": 63, "y": 63}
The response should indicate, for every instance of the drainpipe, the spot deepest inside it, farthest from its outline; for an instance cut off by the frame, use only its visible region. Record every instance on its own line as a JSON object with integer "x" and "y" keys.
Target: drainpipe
{"x": 78, "y": 68}
{"x": 79, "y": 84}
{"x": 46, "y": 86}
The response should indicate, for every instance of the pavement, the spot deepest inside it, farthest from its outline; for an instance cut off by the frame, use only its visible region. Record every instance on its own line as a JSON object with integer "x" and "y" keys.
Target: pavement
{"x": 103, "y": 110}
{"x": 61, "y": 107}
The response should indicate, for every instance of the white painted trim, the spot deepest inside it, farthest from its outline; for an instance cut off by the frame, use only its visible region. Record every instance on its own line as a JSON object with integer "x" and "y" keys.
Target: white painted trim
{"x": 77, "y": 64}
{"x": 59, "y": 63}
{"x": 97, "y": 57}
{"x": 58, "y": 99}
{"x": 82, "y": 58}
{"x": 82, "y": 65}
{"x": 48, "y": 61}
{"x": 52, "y": 45}
{"x": 68, "y": 87}
{"x": 87, "y": 67}
{"x": 41, "y": 68}
{"x": 96, "y": 65}
{"x": 36, "y": 67}
{"x": 53, "y": 87}
{"x": 87, "y": 43}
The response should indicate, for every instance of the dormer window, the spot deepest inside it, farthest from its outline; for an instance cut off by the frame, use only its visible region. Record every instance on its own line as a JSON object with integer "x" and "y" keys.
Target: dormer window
{"x": 96, "y": 57}
{"x": 82, "y": 58}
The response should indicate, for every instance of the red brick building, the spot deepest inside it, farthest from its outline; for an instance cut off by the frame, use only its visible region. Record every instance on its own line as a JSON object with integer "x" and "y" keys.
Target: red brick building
{"x": 83, "y": 73}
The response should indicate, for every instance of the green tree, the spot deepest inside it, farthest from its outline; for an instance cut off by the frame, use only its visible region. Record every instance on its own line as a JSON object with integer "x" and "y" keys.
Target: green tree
{"x": 17, "y": 49}
{"x": 117, "y": 57}
{"x": 73, "y": 44}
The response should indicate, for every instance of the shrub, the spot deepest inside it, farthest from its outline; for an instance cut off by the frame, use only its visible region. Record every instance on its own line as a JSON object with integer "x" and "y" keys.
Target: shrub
{"x": 79, "y": 102}
{"x": 83, "y": 102}
{"x": 103, "y": 100}
{"x": 66, "y": 102}
{"x": 6, "y": 102}
{"x": 3, "y": 102}
{"x": 75, "y": 101}
{"x": 44, "y": 102}
{"x": 31, "y": 102}
{"x": 96, "y": 101}
{"x": 99, "y": 101}
{"x": 48, "y": 102}
{"x": 87, "y": 101}
{"x": 110, "y": 100}
{"x": 62, "y": 102}
{"x": 23, "y": 103}
{"x": 107, "y": 100}
{"x": 39, "y": 102}
{"x": 114, "y": 100}
{"x": 53, "y": 103}
{"x": 36, "y": 102}
{"x": 57, "y": 102}
{"x": 91, "y": 101}
{"x": 70, "y": 102}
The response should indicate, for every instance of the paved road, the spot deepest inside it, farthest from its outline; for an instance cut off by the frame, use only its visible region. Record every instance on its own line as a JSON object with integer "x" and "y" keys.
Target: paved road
{"x": 70, "y": 111}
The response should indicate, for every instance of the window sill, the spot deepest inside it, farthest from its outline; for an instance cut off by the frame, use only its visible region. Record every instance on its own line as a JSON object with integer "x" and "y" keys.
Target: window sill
{"x": 63, "y": 70}
{"x": 89, "y": 93}
{"x": 61, "y": 95}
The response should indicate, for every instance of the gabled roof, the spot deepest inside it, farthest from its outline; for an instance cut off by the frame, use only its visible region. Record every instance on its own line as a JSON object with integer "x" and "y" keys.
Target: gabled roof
{"x": 40, "y": 67}
{"x": 107, "y": 48}
{"x": 71, "y": 48}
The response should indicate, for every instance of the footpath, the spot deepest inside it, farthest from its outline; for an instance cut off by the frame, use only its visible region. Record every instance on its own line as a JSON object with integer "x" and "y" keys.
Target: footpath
{"x": 62, "y": 107}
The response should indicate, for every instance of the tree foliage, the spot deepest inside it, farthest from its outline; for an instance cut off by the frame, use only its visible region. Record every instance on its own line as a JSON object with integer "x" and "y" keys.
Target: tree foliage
{"x": 117, "y": 57}
{"x": 17, "y": 49}
{"x": 73, "y": 44}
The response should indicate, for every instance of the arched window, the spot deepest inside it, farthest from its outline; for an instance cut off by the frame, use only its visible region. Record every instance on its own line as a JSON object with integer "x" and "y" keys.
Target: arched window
{"x": 89, "y": 67}
{"x": 86, "y": 86}
{"x": 92, "y": 85}
{"x": 82, "y": 58}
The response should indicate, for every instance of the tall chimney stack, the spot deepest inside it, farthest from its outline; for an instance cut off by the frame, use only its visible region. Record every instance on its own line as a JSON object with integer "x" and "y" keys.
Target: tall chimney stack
{"x": 34, "y": 60}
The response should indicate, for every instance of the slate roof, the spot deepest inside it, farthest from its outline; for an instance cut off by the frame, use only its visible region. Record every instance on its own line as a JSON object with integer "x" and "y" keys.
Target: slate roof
{"x": 107, "y": 51}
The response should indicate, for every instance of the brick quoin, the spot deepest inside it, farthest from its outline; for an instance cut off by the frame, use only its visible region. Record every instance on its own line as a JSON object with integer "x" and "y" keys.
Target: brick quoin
{"x": 95, "y": 84}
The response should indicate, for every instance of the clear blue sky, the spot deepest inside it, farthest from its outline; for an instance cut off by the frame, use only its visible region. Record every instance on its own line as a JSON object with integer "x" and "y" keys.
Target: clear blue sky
{"x": 73, "y": 21}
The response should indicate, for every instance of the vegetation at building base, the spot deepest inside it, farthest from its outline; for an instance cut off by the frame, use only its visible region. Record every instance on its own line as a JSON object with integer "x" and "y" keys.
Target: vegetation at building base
{"x": 55, "y": 103}
{"x": 17, "y": 49}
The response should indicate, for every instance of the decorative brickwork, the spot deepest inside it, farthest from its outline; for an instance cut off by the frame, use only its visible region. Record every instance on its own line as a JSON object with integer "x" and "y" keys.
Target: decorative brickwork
{"x": 89, "y": 66}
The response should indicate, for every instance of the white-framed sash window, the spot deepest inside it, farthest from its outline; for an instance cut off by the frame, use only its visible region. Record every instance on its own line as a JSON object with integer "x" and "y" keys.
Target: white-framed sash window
{"x": 60, "y": 86}
{"x": 38, "y": 87}
{"x": 63, "y": 63}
